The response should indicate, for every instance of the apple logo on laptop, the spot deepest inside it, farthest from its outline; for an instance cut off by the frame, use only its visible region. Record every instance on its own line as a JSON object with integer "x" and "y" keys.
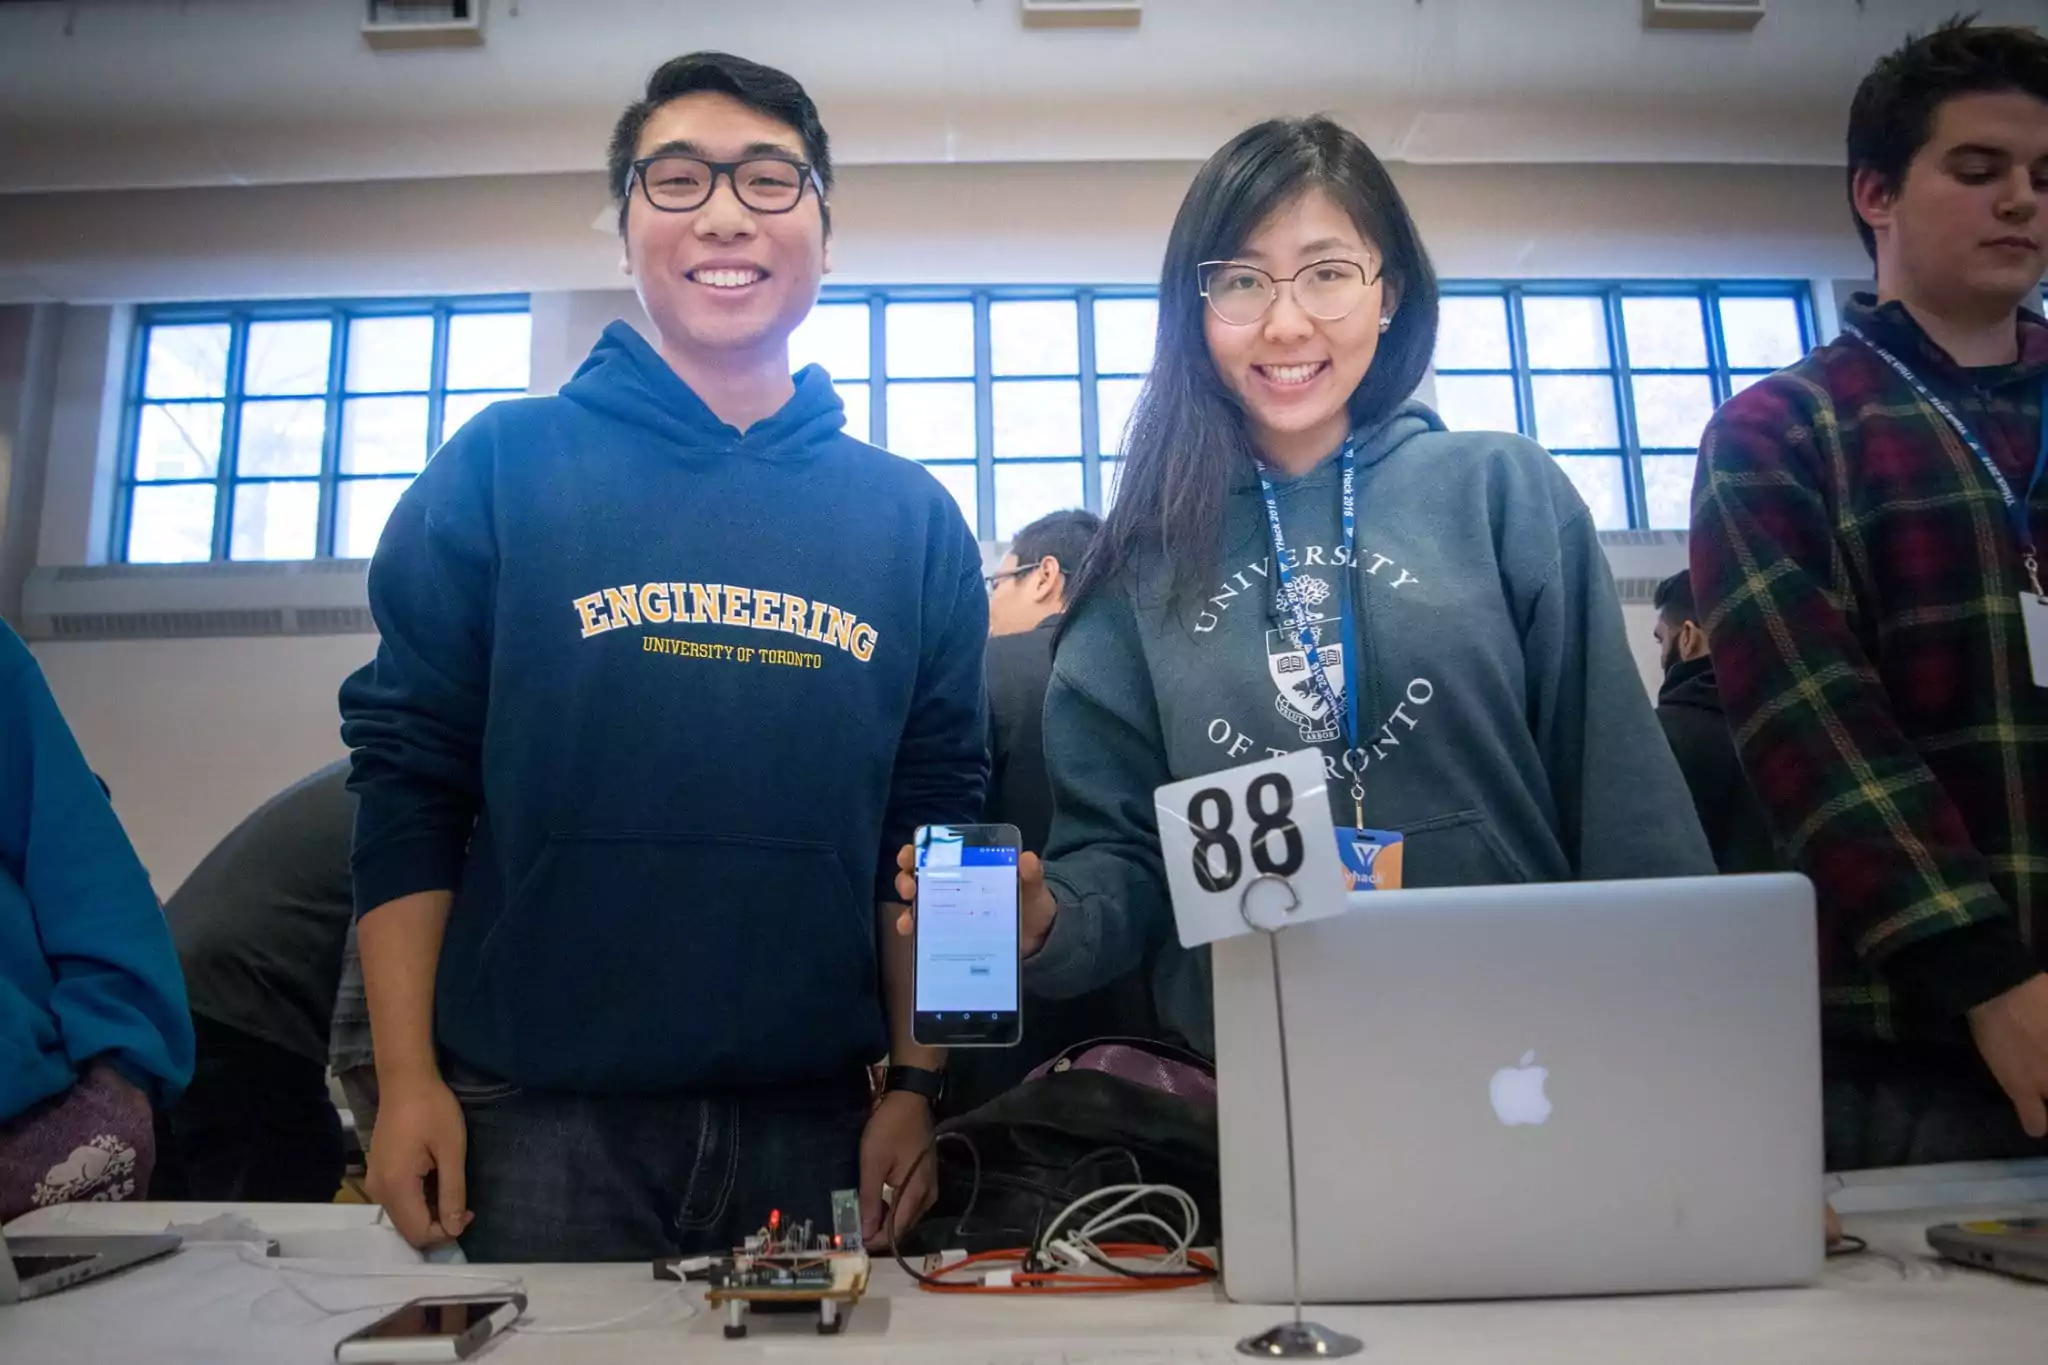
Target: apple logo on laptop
{"x": 1517, "y": 1093}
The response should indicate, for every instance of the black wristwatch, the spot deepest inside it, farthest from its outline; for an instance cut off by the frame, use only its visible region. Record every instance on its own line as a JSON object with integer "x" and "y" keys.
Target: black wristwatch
{"x": 917, "y": 1080}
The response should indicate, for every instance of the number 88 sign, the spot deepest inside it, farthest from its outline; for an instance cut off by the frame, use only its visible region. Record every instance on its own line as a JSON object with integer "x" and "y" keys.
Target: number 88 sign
{"x": 1221, "y": 833}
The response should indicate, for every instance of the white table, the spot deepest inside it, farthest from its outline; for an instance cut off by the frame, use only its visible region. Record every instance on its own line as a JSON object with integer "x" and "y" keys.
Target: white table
{"x": 1895, "y": 1306}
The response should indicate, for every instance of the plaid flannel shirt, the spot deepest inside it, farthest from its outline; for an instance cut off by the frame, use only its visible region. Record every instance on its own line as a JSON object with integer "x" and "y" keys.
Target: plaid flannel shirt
{"x": 1857, "y": 574}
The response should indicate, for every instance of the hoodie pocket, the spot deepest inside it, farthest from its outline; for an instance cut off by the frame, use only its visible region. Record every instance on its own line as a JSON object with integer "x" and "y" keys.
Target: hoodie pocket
{"x": 1459, "y": 849}
{"x": 651, "y": 961}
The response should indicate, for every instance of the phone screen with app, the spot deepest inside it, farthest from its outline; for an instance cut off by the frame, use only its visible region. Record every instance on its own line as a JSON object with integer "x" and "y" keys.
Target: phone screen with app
{"x": 968, "y": 992}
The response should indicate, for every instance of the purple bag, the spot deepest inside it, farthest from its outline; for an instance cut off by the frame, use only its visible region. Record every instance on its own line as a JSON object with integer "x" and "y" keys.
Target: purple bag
{"x": 92, "y": 1143}
{"x": 1154, "y": 1065}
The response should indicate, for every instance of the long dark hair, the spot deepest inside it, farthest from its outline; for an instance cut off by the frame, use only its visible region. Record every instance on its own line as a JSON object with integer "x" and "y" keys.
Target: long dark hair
{"x": 1187, "y": 438}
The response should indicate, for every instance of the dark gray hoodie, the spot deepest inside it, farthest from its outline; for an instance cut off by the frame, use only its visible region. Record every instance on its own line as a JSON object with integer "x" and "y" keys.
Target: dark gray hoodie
{"x": 1505, "y": 730}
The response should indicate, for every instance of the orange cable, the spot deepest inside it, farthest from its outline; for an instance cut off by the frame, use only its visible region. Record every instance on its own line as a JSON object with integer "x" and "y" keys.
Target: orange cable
{"x": 1055, "y": 1282}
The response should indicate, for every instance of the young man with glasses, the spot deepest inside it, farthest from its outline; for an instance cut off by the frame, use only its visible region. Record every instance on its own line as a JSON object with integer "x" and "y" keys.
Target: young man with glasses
{"x": 1862, "y": 551}
{"x": 668, "y": 660}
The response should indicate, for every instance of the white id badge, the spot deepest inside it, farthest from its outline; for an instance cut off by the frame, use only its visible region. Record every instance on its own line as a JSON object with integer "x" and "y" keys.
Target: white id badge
{"x": 2034, "y": 613}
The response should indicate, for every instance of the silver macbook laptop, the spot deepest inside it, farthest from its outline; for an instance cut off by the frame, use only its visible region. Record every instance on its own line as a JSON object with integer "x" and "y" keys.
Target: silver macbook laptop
{"x": 31, "y": 1267}
{"x": 1581, "y": 1088}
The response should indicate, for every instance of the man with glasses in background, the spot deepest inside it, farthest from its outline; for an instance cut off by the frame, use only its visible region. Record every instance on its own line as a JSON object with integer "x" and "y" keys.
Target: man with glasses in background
{"x": 1027, "y": 599}
{"x": 670, "y": 668}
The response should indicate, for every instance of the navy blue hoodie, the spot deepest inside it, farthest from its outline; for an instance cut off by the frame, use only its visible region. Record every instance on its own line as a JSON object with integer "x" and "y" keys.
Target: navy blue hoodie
{"x": 659, "y": 701}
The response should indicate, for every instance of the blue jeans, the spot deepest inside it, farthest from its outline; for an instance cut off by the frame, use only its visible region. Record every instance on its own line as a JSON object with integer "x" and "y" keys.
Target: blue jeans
{"x": 564, "y": 1177}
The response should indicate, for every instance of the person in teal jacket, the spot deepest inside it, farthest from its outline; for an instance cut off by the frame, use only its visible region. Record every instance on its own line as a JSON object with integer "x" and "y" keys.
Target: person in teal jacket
{"x": 95, "y": 1035}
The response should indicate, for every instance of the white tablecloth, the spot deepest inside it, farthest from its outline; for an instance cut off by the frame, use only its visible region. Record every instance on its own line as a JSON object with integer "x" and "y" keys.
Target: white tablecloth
{"x": 1895, "y": 1306}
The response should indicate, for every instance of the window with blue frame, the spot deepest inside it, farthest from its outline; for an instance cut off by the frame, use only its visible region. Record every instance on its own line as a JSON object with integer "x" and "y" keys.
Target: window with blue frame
{"x": 1617, "y": 380}
{"x": 288, "y": 431}
{"x": 1014, "y": 399}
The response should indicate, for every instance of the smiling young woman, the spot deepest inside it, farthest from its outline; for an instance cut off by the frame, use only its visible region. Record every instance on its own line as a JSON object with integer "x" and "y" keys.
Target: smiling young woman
{"x": 1302, "y": 557}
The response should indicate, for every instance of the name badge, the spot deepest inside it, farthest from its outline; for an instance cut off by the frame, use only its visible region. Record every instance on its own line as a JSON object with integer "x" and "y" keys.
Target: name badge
{"x": 2034, "y": 615}
{"x": 1371, "y": 858}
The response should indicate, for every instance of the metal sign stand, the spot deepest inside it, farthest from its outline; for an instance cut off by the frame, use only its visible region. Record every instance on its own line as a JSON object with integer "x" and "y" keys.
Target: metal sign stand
{"x": 1296, "y": 1340}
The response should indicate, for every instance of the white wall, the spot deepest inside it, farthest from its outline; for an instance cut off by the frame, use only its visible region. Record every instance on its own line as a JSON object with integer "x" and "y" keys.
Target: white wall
{"x": 192, "y": 735}
{"x": 85, "y": 411}
{"x": 1016, "y": 223}
{"x": 566, "y": 324}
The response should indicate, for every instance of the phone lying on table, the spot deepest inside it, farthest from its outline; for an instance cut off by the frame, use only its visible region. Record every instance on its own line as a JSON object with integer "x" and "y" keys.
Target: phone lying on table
{"x": 2010, "y": 1246}
{"x": 436, "y": 1329}
{"x": 968, "y": 992}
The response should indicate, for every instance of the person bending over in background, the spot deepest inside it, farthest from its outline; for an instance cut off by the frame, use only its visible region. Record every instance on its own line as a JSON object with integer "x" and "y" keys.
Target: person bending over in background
{"x": 259, "y": 926}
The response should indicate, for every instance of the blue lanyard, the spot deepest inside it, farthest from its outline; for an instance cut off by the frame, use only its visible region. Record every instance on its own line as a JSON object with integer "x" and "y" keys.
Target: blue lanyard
{"x": 1343, "y": 707}
{"x": 2016, "y": 508}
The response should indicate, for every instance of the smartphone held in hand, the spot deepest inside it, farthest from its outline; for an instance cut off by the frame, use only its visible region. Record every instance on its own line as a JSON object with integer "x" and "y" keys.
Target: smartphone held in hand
{"x": 968, "y": 980}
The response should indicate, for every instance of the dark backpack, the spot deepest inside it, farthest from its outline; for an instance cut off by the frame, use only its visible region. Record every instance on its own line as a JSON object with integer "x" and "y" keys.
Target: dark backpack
{"x": 1112, "y": 1111}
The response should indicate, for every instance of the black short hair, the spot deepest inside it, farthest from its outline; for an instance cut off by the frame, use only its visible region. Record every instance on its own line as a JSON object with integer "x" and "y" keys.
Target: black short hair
{"x": 1065, "y": 536}
{"x": 1674, "y": 599}
{"x": 762, "y": 89}
{"x": 1892, "y": 116}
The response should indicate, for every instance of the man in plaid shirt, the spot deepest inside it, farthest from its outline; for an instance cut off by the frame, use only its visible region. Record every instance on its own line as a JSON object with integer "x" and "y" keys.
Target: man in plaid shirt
{"x": 1859, "y": 569}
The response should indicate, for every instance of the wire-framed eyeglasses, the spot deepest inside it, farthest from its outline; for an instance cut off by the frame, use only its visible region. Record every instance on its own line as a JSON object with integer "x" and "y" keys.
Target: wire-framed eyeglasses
{"x": 992, "y": 581}
{"x": 1328, "y": 290}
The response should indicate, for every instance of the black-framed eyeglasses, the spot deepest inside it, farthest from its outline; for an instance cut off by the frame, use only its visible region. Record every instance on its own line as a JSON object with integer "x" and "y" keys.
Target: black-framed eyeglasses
{"x": 993, "y": 580}
{"x": 1327, "y": 290}
{"x": 763, "y": 184}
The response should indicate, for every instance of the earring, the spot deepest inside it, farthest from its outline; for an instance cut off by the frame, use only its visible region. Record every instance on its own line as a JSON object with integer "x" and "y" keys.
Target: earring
{"x": 1386, "y": 321}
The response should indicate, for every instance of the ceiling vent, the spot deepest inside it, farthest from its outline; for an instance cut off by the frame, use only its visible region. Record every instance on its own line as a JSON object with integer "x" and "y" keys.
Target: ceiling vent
{"x": 407, "y": 25}
{"x": 1711, "y": 16}
{"x": 1083, "y": 13}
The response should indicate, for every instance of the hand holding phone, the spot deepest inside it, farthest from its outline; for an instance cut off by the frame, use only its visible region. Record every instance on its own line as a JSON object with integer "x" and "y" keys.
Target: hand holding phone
{"x": 1036, "y": 908}
{"x": 966, "y": 935}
